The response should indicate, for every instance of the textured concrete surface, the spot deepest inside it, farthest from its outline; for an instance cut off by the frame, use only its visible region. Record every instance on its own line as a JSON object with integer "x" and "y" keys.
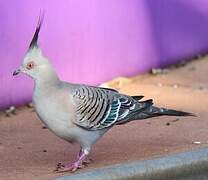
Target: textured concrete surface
{"x": 28, "y": 151}
{"x": 189, "y": 165}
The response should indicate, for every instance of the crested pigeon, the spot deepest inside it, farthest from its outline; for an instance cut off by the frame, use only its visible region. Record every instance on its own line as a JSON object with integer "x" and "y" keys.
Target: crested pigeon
{"x": 80, "y": 113}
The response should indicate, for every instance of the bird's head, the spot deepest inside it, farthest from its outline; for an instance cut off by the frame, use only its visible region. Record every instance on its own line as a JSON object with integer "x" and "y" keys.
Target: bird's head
{"x": 34, "y": 63}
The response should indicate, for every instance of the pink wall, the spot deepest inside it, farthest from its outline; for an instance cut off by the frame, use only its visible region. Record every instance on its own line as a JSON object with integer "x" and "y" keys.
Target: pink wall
{"x": 91, "y": 41}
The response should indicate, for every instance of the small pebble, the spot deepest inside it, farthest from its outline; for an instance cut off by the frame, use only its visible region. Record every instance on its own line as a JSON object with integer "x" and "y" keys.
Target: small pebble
{"x": 175, "y": 86}
{"x": 10, "y": 110}
{"x": 197, "y": 142}
{"x": 30, "y": 105}
{"x": 44, "y": 150}
{"x": 167, "y": 124}
{"x": 156, "y": 71}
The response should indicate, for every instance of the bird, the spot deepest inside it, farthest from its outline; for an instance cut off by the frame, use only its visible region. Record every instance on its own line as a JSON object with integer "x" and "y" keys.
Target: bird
{"x": 80, "y": 113}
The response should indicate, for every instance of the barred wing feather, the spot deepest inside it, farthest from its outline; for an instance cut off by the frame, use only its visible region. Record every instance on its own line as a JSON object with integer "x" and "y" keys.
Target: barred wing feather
{"x": 99, "y": 108}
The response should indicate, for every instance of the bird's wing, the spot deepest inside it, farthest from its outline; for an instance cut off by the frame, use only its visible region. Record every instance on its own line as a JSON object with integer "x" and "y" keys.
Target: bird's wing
{"x": 99, "y": 108}
{"x": 104, "y": 88}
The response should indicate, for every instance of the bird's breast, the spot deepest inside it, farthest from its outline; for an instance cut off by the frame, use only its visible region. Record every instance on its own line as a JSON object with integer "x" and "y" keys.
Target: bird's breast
{"x": 56, "y": 112}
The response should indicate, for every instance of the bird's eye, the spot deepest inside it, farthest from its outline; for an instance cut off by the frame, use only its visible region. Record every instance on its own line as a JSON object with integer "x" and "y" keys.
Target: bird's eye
{"x": 30, "y": 65}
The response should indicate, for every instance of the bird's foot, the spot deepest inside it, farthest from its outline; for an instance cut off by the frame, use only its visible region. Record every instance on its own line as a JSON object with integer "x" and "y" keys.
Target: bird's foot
{"x": 69, "y": 166}
{"x": 78, "y": 164}
{"x": 87, "y": 161}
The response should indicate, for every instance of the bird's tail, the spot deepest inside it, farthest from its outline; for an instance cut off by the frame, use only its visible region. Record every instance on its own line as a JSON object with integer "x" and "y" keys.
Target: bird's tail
{"x": 153, "y": 111}
{"x": 169, "y": 112}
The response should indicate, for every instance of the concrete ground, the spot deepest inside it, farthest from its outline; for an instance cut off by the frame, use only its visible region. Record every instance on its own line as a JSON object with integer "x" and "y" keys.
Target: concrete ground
{"x": 28, "y": 151}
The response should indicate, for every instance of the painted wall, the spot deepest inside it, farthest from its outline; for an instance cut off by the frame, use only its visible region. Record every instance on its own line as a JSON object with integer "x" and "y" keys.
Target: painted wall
{"x": 92, "y": 41}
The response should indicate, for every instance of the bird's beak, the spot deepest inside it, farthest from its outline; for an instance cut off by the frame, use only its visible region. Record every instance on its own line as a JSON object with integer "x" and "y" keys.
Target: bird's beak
{"x": 16, "y": 72}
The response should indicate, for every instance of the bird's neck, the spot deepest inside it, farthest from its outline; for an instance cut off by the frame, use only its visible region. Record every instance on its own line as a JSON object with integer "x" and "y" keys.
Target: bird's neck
{"x": 48, "y": 80}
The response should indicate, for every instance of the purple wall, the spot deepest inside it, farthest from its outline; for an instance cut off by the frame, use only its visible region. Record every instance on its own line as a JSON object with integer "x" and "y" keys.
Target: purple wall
{"x": 91, "y": 41}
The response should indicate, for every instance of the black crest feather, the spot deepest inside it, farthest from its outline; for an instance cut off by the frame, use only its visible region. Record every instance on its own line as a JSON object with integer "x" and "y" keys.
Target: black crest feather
{"x": 34, "y": 42}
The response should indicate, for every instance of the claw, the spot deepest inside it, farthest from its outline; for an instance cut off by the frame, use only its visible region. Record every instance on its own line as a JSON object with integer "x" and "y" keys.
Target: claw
{"x": 58, "y": 167}
{"x": 87, "y": 161}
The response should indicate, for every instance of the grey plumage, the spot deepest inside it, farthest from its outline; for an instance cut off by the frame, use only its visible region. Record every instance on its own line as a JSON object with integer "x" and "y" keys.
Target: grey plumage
{"x": 80, "y": 113}
{"x": 100, "y": 108}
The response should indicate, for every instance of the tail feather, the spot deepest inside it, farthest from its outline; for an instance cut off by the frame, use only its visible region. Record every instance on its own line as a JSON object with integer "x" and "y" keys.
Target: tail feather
{"x": 172, "y": 112}
{"x": 152, "y": 111}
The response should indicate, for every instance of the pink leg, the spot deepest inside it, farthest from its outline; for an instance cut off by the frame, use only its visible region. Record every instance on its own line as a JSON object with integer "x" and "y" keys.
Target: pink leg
{"x": 78, "y": 163}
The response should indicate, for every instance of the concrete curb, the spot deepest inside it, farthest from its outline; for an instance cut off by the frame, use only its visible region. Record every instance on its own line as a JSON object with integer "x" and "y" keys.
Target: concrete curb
{"x": 188, "y": 165}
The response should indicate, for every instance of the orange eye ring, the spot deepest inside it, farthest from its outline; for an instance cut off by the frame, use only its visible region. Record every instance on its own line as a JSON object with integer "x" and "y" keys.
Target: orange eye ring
{"x": 30, "y": 65}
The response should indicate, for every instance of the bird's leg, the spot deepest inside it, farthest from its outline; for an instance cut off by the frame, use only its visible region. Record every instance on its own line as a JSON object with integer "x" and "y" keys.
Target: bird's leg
{"x": 86, "y": 160}
{"x": 78, "y": 163}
